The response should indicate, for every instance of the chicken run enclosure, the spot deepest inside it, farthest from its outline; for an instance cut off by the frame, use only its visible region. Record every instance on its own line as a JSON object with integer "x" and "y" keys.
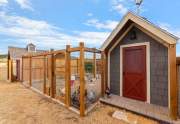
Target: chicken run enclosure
{"x": 73, "y": 77}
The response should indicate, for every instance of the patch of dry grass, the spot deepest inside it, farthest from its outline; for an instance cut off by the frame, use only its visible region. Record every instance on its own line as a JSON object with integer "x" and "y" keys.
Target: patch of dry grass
{"x": 19, "y": 105}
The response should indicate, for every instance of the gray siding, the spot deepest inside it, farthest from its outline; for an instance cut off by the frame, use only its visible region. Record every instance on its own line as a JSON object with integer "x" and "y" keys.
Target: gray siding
{"x": 158, "y": 67}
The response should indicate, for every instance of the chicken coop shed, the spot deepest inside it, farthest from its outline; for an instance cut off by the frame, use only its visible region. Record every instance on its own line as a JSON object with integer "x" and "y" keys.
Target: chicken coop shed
{"x": 141, "y": 67}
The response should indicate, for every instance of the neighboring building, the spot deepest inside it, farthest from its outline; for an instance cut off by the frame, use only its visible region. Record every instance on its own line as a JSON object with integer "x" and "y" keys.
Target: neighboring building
{"x": 15, "y": 54}
{"x": 141, "y": 63}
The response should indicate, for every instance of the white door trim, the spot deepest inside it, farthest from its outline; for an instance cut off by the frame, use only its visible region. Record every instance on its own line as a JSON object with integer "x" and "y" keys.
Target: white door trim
{"x": 147, "y": 44}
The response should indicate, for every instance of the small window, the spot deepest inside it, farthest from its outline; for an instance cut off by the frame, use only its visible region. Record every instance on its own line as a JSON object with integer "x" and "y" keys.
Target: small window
{"x": 133, "y": 35}
{"x": 31, "y": 48}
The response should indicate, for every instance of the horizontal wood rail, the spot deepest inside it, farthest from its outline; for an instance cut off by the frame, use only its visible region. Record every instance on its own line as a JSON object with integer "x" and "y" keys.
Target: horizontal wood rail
{"x": 45, "y": 53}
{"x": 93, "y": 50}
{"x": 75, "y": 49}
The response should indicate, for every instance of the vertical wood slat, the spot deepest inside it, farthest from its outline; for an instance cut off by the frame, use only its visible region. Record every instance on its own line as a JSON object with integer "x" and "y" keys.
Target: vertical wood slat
{"x": 77, "y": 63}
{"x": 102, "y": 74}
{"x": 82, "y": 81}
{"x": 173, "y": 82}
{"x": 54, "y": 74}
{"x": 67, "y": 77}
{"x": 10, "y": 70}
{"x": 52, "y": 78}
{"x": 106, "y": 70}
{"x": 30, "y": 71}
{"x": 22, "y": 70}
{"x": 94, "y": 63}
{"x": 8, "y": 65}
{"x": 44, "y": 83}
{"x": 177, "y": 79}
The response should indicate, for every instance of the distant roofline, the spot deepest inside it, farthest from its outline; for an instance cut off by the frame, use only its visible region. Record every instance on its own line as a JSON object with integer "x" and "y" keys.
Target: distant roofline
{"x": 23, "y": 48}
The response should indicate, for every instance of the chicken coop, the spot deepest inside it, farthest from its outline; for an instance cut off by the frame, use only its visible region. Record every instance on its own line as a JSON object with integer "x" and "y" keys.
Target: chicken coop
{"x": 73, "y": 76}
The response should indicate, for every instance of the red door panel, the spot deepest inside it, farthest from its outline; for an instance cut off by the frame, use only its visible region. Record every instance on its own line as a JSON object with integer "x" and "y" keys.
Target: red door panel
{"x": 134, "y": 72}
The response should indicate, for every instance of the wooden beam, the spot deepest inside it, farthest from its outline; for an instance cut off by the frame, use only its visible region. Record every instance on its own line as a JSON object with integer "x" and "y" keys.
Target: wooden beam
{"x": 67, "y": 77}
{"x": 75, "y": 49}
{"x": 44, "y": 83}
{"x": 10, "y": 70}
{"x": 30, "y": 71}
{"x": 94, "y": 65}
{"x": 106, "y": 69}
{"x": 77, "y": 63}
{"x": 177, "y": 73}
{"x": 82, "y": 81}
{"x": 173, "y": 82}
{"x": 54, "y": 73}
{"x": 8, "y": 65}
{"x": 103, "y": 74}
{"x": 93, "y": 50}
{"x": 22, "y": 70}
{"x": 52, "y": 79}
{"x": 46, "y": 53}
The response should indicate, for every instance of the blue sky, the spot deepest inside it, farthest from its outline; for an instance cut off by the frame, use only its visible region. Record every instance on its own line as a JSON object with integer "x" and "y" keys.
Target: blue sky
{"x": 55, "y": 23}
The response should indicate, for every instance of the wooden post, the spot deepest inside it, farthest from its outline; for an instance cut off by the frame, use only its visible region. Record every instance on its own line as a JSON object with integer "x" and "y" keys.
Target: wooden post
{"x": 8, "y": 65}
{"x": 22, "y": 70}
{"x": 10, "y": 70}
{"x": 106, "y": 69}
{"x": 52, "y": 79}
{"x": 94, "y": 63}
{"x": 82, "y": 81}
{"x": 44, "y": 83}
{"x": 177, "y": 73}
{"x": 30, "y": 71}
{"x": 102, "y": 74}
{"x": 77, "y": 63}
{"x": 173, "y": 82}
{"x": 68, "y": 76}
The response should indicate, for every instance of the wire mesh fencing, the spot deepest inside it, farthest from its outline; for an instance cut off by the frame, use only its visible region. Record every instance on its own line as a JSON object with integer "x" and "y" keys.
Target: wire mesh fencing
{"x": 72, "y": 76}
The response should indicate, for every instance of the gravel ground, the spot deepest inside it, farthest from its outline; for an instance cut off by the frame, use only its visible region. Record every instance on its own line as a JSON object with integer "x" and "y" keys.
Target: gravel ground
{"x": 19, "y": 105}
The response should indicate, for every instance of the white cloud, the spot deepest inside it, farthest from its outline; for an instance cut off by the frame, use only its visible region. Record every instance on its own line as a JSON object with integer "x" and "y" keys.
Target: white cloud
{"x": 90, "y": 14}
{"x": 25, "y": 4}
{"x": 94, "y": 38}
{"x": 23, "y": 30}
{"x": 109, "y": 24}
{"x": 3, "y": 2}
{"x": 120, "y": 6}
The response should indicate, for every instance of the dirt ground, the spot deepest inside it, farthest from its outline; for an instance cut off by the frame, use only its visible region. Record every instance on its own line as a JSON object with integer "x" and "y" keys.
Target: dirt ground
{"x": 19, "y": 105}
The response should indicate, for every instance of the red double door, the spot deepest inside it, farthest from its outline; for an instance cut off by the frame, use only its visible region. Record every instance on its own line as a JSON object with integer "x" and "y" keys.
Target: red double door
{"x": 134, "y": 73}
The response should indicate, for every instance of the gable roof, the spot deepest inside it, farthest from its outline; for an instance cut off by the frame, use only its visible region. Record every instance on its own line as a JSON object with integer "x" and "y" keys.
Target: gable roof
{"x": 150, "y": 27}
